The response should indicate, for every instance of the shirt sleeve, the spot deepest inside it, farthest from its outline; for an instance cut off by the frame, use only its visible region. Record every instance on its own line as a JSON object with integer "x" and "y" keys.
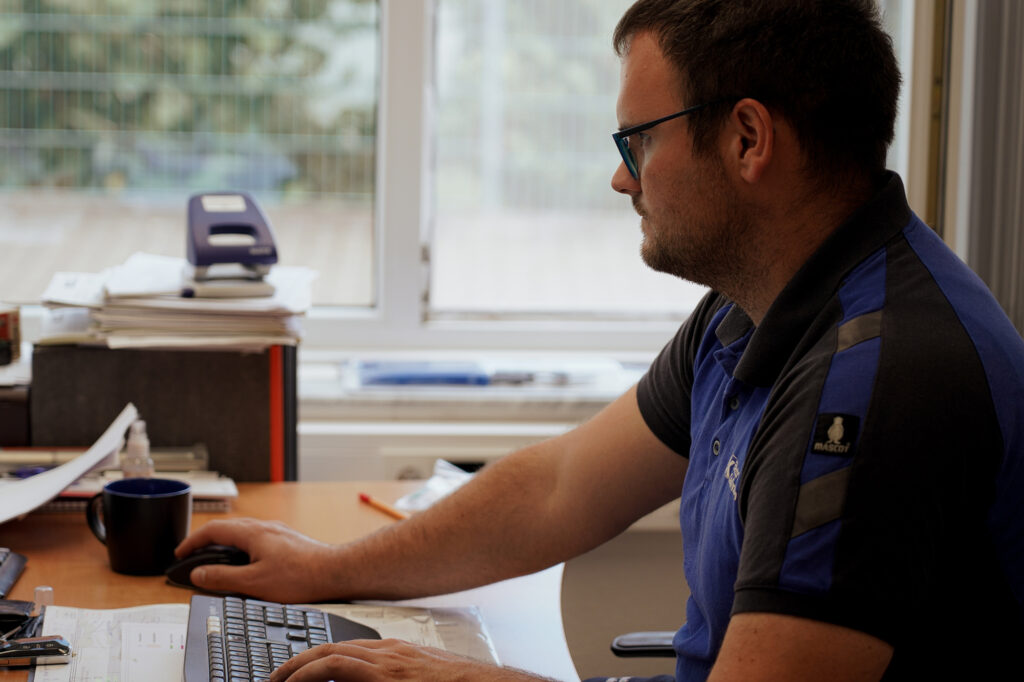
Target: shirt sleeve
{"x": 664, "y": 392}
{"x": 864, "y": 493}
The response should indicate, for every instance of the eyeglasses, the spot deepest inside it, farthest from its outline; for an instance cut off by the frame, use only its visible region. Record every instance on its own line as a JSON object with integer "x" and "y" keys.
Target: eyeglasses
{"x": 629, "y": 156}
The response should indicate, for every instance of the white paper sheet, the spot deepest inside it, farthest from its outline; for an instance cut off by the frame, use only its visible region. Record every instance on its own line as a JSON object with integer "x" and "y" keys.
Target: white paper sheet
{"x": 114, "y": 645}
{"x": 145, "y": 274}
{"x": 22, "y": 496}
{"x": 76, "y": 289}
{"x": 154, "y": 652}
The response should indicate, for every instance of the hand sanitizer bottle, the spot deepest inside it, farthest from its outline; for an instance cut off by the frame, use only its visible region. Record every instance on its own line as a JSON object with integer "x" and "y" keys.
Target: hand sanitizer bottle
{"x": 135, "y": 461}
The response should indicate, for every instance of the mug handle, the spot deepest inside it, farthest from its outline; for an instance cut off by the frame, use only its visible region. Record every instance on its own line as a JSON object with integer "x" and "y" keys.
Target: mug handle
{"x": 95, "y": 524}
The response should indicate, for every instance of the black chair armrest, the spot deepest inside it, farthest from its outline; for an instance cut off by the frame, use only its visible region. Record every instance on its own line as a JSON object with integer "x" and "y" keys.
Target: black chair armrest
{"x": 657, "y": 644}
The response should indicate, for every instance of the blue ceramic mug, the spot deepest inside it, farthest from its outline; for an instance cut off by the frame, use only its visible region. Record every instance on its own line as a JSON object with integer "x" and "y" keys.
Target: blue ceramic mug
{"x": 143, "y": 520}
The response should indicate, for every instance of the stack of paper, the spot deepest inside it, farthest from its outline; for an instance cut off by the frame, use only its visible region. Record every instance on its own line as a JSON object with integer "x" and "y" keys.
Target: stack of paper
{"x": 144, "y": 303}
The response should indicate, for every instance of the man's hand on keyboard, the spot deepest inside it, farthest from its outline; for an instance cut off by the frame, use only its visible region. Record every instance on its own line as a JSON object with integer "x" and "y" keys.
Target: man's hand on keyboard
{"x": 285, "y": 565}
{"x": 388, "y": 659}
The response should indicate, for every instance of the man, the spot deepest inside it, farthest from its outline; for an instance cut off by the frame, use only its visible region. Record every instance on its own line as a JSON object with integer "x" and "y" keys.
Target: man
{"x": 844, "y": 412}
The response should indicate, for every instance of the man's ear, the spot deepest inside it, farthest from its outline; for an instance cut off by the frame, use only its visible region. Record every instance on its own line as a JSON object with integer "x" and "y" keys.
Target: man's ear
{"x": 751, "y": 139}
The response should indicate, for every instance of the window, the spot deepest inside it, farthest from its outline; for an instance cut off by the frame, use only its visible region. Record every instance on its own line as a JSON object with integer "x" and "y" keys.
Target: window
{"x": 898, "y": 20}
{"x": 526, "y": 220}
{"x": 112, "y": 113}
{"x": 444, "y": 164}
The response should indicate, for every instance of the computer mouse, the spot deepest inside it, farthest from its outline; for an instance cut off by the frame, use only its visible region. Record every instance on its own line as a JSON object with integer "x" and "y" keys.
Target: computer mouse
{"x": 178, "y": 572}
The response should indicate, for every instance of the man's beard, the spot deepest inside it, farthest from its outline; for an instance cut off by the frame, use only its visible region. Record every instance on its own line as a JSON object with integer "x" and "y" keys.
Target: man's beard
{"x": 713, "y": 249}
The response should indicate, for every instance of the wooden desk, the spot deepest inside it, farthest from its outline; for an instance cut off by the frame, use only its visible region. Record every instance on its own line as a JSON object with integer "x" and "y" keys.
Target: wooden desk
{"x": 522, "y": 615}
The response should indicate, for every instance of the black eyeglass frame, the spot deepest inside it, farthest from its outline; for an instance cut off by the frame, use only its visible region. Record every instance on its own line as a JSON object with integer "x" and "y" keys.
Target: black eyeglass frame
{"x": 622, "y": 141}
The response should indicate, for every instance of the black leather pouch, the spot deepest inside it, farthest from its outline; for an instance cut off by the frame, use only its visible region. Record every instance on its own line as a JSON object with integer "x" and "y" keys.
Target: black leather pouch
{"x": 14, "y": 614}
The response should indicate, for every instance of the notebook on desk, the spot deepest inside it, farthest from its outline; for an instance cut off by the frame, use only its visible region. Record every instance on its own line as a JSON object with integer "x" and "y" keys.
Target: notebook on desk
{"x": 211, "y": 492}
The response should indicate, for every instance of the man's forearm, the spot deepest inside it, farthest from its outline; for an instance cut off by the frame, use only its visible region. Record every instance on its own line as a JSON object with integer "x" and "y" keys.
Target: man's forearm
{"x": 532, "y": 509}
{"x": 497, "y": 526}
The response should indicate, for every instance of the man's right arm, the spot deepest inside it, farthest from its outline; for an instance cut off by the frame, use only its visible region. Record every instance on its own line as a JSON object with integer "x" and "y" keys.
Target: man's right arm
{"x": 532, "y": 509}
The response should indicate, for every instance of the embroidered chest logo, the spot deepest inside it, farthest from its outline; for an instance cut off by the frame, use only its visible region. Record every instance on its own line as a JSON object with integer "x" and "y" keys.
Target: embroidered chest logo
{"x": 732, "y": 474}
{"x": 836, "y": 434}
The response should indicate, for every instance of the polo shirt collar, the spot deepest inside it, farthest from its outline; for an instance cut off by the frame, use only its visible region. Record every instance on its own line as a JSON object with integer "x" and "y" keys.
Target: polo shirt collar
{"x": 869, "y": 227}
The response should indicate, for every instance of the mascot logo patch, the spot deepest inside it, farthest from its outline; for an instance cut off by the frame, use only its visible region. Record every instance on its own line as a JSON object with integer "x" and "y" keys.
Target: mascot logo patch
{"x": 732, "y": 474}
{"x": 836, "y": 434}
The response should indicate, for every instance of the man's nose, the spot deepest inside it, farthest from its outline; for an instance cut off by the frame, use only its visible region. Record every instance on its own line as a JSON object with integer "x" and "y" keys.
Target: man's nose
{"x": 623, "y": 182}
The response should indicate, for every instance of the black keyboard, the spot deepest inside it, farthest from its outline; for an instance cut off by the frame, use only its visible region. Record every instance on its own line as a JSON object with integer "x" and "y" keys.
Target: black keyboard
{"x": 234, "y": 640}
{"x": 12, "y": 565}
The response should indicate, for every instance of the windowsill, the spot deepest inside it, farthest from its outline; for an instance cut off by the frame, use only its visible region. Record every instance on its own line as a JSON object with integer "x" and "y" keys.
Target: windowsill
{"x": 329, "y": 388}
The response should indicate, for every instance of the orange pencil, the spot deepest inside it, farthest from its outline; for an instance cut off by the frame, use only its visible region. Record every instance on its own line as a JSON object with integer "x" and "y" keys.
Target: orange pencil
{"x": 383, "y": 507}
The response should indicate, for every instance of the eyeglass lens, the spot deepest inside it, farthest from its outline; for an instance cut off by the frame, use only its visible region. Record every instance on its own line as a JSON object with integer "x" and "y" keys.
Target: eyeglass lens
{"x": 632, "y": 152}
{"x": 636, "y": 151}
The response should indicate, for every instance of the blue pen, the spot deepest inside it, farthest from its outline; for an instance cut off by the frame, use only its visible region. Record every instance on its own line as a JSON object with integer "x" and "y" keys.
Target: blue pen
{"x": 26, "y": 472}
{"x": 421, "y": 373}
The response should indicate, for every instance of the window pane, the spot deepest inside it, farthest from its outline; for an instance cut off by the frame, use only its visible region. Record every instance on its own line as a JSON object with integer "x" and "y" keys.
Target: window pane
{"x": 112, "y": 113}
{"x": 899, "y": 25}
{"x": 526, "y": 219}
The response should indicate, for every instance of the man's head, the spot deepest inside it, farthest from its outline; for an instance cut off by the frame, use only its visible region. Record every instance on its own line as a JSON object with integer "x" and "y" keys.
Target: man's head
{"x": 826, "y": 66}
{"x": 696, "y": 224}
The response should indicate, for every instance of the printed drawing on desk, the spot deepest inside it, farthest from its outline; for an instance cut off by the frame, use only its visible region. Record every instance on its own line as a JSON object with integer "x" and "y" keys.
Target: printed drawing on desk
{"x": 149, "y": 648}
{"x": 119, "y": 645}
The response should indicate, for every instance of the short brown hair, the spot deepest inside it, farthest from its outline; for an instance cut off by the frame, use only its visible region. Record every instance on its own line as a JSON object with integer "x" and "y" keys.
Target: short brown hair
{"x": 826, "y": 66}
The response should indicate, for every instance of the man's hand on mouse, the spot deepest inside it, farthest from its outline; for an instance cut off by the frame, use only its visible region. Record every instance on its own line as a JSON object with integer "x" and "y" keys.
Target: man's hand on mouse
{"x": 285, "y": 565}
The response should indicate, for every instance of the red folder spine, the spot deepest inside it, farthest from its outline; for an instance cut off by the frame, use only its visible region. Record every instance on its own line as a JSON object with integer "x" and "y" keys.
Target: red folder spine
{"x": 277, "y": 435}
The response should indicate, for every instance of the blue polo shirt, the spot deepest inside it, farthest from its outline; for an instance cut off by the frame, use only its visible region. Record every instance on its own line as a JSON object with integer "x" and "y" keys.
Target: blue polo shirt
{"x": 857, "y": 458}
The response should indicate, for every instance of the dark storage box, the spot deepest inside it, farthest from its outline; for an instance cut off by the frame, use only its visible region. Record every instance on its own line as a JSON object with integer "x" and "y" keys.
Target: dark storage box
{"x": 240, "y": 405}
